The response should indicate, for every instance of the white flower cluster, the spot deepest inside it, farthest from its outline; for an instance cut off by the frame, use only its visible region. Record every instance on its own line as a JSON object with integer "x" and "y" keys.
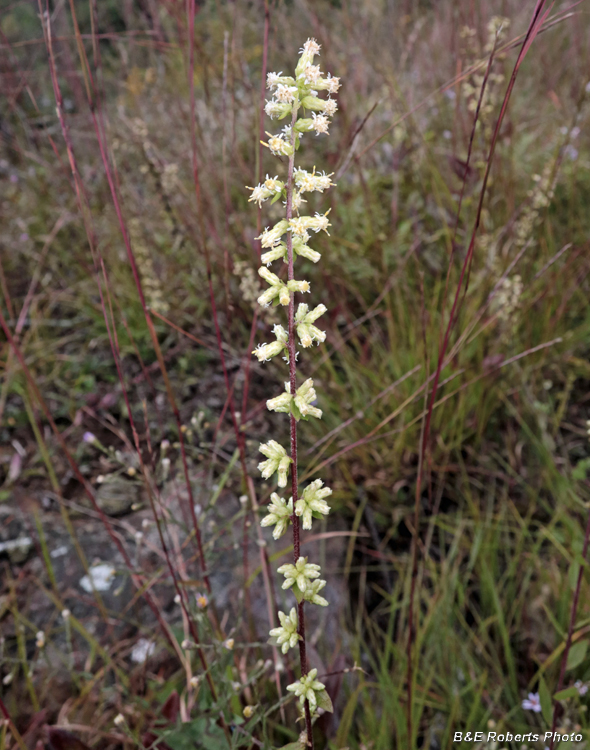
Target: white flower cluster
{"x": 288, "y": 240}
{"x": 301, "y": 402}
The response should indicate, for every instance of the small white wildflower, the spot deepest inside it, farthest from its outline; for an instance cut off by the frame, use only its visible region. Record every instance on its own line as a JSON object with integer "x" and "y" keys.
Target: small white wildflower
{"x": 276, "y": 79}
{"x": 532, "y": 703}
{"x": 194, "y": 682}
{"x": 65, "y": 613}
{"x": 311, "y": 47}
{"x": 279, "y": 515}
{"x": 40, "y": 639}
{"x": 320, "y": 123}
{"x": 581, "y": 687}
{"x": 301, "y": 248}
{"x": 265, "y": 351}
{"x": 306, "y": 688}
{"x": 304, "y": 397}
{"x": 278, "y": 251}
{"x": 248, "y": 711}
{"x": 177, "y": 599}
{"x": 312, "y": 501}
{"x": 280, "y": 403}
{"x": 312, "y": 73}
{"x": 331, "y": 107}
{"x": 259, "y": 194}
{"x": 228, "y": 644}
{"x": 298, "y": 286}
{"x": 285, "y": 94}
{"x": 287, "y": 635}
{"x": 299, "y": 225}
{"x": 119, "y": 720}
{"x": 270, "y": 237}
{"x": 312, "y": 593}
{"x": 277, "y": 289}
{"x": 331, "y": 84}
{"x": 274, "y": 184}
{"x": 278, "y": 145}
{"x": 301, "y": 573}
{"x": 277, "y": 460}
{"x": 297, "y": 200}
{"x": 308, "y": 181}
{"x": 277, "y": 109}
{"x": 304, "y": 320}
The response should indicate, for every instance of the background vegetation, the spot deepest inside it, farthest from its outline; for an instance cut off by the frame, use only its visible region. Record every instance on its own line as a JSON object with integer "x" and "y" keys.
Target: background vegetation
{"x": 128, "y": 187}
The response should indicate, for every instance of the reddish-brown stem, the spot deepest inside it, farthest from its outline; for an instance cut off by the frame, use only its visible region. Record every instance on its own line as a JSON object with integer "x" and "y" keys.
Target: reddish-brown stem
{"x": 293, "y": 421}
{"x": 533, "y": 29}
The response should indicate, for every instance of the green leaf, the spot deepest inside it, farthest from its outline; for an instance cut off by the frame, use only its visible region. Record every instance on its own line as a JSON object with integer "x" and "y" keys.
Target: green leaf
{"x": 275, "y": 199}
{"x": 581, "y": 469}
{"x": 324, "y": 701}
{"x": 295, "y": 411}
{"x": 577, "y": 654}
{"x": 572, "y": 575}
{"x": 570, "y": 692}
{"x": 546, "y": 703}
{"x": 298, "y": 593}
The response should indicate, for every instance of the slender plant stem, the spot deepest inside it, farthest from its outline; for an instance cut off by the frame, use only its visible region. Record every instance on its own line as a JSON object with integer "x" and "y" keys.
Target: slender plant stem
{"x": 293, "y": 421}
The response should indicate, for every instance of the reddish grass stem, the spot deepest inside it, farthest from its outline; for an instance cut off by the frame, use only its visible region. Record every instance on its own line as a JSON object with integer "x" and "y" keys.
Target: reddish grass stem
{"x": 532, "y": 31}
{"x": 293, "y": 421}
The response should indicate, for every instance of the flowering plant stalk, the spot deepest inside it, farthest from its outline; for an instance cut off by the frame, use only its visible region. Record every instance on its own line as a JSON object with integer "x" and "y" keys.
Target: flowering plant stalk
{"x": 288, "y": 239}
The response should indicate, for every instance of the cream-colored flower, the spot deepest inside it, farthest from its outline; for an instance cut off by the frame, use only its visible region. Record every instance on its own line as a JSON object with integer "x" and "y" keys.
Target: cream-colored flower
{"x": 309, "y": 181}
{"x": 278, "y": 145}
{"x": 287, "y": 635}
{"x": 301, "y": 248}
{"x": 306, "y": 688}
{"x": 270, "y": 237}
{"x": 330, "y": 107}
{"x": 278, "y": 251}
{"x": 277, "y": 79}
{"x": 308, "y": 52}
{"x": 280, "y": 403}
{"x": 274, "y": 184}
{"x": 312, "y": 593}
{"x": 311, "y": 47}
{"x": 300, "y": 224}
{"x": 279, "y": 515}
{"x": 301, "y": 573}
{"x": 304, "y": 320}
{"x": 312, "y": 501}
{"x": 329, "y": 84}
{"x": 304, "y": 396}
{"x": 277, "y": 109}
{"x": 320, "y": 123}
{"x": 285, "y": 94}
{"x": 312, "y": 73}
{"x": 265, "y": 351}
{"x": 276, "y": 289}
{"x": 277, "y": 460}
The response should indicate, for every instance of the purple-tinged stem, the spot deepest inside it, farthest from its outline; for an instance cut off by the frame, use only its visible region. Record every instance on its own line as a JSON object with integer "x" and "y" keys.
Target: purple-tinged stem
{"x": 293, "y": 421}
